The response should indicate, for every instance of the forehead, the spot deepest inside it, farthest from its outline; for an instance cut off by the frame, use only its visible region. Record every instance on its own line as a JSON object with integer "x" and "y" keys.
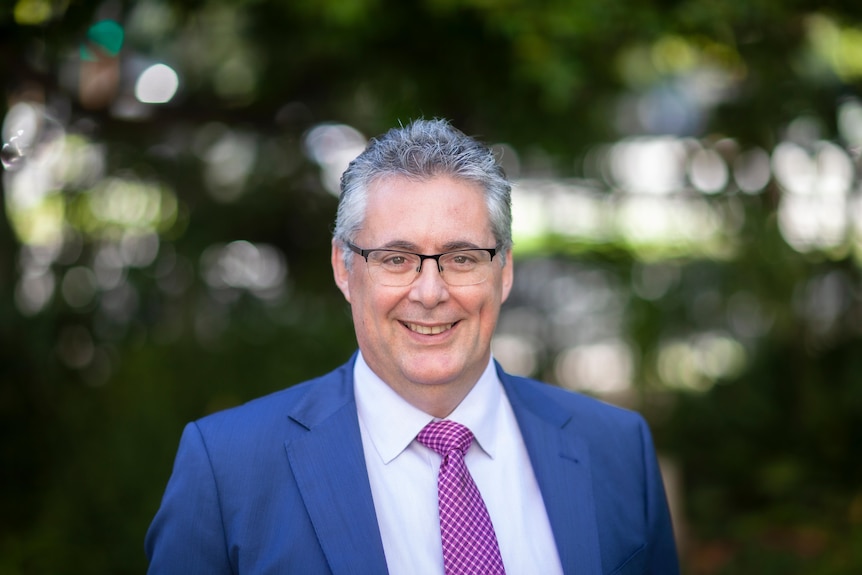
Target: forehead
{"x": 441, "y": 210}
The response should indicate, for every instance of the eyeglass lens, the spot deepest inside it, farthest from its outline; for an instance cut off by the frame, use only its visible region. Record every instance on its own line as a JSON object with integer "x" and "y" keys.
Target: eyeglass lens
{"x": 464, "y": 267}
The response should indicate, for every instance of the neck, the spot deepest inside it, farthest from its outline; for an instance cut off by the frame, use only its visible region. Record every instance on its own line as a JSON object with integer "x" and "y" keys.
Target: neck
{"x": 435, "y": 393}
{"x": 436, "y": 400}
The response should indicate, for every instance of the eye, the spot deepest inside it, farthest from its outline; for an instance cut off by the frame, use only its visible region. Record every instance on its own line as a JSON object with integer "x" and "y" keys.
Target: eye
{"x": 395, "y": 261}
{"x": 461, "y": 260}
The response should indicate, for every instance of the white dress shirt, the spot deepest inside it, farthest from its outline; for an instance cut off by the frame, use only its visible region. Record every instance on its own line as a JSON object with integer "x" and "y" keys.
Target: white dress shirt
{"x": 403, "y": 476}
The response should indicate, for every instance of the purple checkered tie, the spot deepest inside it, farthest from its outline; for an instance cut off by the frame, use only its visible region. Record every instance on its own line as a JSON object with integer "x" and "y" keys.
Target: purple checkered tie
{"x": 469, "y": 543}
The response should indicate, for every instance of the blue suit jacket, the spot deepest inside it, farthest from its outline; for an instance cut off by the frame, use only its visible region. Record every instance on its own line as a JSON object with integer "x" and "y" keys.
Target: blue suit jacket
{"x": 279, "y": 485}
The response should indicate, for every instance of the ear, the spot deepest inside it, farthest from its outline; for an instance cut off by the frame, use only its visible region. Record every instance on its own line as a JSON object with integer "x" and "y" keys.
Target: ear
{"x": 508, "y": 276}
{"x": 339, "y": 270}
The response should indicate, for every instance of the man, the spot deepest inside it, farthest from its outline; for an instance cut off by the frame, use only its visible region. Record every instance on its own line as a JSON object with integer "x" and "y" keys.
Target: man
{"x": 342, "y": 474}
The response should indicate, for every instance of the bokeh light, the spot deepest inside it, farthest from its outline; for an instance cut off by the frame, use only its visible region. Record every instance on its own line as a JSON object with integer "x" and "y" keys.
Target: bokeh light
{"x": 699, "y": 362}
{"x": 157, "y": 84}
{"x": 332, "y": 147}
{"x": 840, "y": 47}
{"x": 229, "y": 156}
{"x": 751, "y": 170}
{"x": 602, "y": 368}
{"x": 37, "y": 12}
{"x": 260, "y": 269}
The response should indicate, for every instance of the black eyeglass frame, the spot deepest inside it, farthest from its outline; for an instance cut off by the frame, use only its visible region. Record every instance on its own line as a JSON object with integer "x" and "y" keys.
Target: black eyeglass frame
{"x": 422, "y": 257}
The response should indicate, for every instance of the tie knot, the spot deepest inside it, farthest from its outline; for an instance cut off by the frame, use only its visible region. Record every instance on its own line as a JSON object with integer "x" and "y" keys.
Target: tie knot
{"x": 444, "y": 436}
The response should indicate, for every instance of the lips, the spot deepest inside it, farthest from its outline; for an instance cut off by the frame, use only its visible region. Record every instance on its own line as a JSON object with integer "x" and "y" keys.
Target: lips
{"x": 428, "y": 329}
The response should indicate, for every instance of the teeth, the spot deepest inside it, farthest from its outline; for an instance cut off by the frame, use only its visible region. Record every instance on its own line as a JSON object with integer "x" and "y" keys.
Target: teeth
{"x": 426, "y": 330}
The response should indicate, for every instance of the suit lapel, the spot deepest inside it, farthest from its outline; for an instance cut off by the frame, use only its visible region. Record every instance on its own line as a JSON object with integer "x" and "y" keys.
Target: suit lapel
{"x": 326, "y": 456}
{"x": 561, "y": 464}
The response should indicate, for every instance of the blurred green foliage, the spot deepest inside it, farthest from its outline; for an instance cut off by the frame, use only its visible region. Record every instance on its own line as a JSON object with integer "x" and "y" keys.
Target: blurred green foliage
{"x": 769, "y": 456}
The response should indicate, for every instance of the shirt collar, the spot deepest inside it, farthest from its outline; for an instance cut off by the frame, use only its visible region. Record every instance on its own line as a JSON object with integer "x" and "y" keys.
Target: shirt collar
{"x": 392, "y": 423}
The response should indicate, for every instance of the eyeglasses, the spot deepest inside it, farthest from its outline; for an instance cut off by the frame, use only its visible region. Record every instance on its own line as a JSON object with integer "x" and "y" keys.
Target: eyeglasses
{"x": 396, "y": 268}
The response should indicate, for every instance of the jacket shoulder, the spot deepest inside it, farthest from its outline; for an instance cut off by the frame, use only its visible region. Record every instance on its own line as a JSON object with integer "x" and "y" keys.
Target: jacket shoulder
{"x": 264, "y": 414}
{"x": 563, "y": 405}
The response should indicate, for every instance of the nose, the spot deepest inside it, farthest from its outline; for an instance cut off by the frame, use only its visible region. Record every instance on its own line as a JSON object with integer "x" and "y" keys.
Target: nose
{"x": 428, "y": 288}
{"x": 435, "y": 259}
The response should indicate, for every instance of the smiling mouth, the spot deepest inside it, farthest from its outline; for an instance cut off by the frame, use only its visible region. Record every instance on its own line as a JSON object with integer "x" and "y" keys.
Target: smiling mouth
{"x": 428, "y": 329}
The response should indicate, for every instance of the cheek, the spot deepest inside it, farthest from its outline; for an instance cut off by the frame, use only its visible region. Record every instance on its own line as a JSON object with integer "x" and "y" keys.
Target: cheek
{"x": 372, "y": 309}
{"x": 488, "y": 309}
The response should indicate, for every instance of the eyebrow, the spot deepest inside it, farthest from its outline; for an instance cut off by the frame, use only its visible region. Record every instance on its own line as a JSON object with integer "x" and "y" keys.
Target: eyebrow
{"x": 411, "y": 247}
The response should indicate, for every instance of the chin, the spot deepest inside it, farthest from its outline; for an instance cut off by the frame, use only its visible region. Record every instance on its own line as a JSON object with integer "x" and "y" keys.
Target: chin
{"x": 433, "y": 375}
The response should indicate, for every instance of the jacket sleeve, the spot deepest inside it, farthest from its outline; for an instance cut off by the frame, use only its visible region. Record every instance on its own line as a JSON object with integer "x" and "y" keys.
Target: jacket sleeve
{"x": 187, "y": 535}
{"x": 662, "y": 558}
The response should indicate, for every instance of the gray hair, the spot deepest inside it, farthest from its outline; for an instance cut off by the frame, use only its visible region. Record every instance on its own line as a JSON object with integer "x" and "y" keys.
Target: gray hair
{"x": 422, "y": 150}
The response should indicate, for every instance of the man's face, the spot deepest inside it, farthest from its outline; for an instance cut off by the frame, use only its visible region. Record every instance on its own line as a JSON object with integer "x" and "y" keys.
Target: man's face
{"x": 427, "y": 338}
